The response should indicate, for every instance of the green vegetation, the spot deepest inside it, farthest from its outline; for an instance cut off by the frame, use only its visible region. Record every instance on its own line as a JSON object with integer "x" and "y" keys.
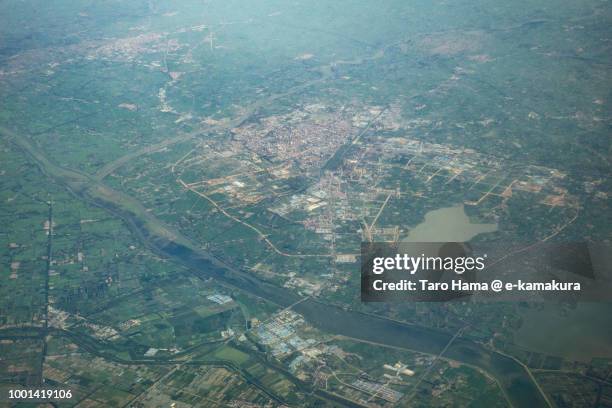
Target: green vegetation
{"x": 184, "y": 187}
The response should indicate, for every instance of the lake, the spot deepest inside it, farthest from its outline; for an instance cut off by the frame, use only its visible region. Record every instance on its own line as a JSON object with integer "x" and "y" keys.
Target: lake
{"x": 449, "y": 224}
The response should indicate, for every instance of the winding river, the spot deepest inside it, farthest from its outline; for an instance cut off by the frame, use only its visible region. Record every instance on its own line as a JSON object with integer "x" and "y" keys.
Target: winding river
{"x": 514, "y": 379}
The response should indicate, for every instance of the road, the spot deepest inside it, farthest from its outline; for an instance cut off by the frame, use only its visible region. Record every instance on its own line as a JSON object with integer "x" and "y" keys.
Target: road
{"x": 516, "y": 381}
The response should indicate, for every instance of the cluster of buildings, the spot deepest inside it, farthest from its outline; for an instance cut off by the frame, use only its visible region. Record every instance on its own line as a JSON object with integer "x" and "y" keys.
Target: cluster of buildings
{"x": 219, "y": 299}
{"x": 280, "y": 334}
{"x": 304, "y": 138}
{"x": 430, "y": 160}
{"x": 380, "y": 390}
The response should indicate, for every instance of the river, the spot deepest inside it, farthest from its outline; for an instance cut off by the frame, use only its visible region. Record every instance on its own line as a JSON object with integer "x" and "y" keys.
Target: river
{"x": 515, "y": 380}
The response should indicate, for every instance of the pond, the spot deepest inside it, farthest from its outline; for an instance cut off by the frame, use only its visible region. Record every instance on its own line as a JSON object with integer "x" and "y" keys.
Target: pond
{"x": 449, "y": 224}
